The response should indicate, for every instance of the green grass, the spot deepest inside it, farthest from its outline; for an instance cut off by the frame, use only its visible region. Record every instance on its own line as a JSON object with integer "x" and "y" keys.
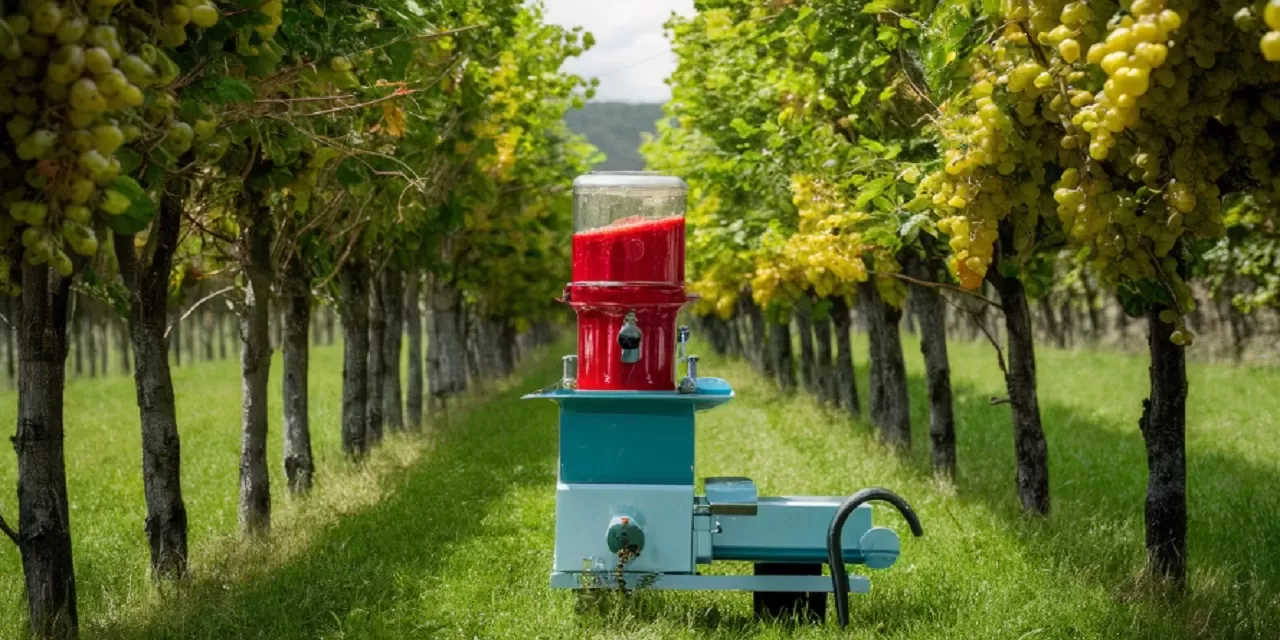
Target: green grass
{"x": 450, "y": 536}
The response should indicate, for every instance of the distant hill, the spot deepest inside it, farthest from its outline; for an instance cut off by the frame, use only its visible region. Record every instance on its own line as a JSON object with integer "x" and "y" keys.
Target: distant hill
{"x": 615, "y": 128}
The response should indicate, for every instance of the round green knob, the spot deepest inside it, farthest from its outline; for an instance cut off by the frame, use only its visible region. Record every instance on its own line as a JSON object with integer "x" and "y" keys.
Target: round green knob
{"x": 625, "y": 534}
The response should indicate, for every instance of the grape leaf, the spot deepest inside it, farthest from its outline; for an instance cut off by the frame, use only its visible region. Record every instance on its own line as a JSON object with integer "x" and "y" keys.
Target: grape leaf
{"x": 350, "y": 172}
{"x": 227, "y": 90}
{"x": 141, "y": 207}
{"x": 129, "y": 159}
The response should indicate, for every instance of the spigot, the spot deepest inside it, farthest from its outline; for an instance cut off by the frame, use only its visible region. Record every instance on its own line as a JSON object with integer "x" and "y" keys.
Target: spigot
{"x": 682, "y": 338}
{"x": 629, "y": 339}
{"x": 569, "y": 377}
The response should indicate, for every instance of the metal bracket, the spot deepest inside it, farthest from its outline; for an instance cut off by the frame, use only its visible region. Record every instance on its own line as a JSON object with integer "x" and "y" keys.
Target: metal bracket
{"x": 732, "y": 496}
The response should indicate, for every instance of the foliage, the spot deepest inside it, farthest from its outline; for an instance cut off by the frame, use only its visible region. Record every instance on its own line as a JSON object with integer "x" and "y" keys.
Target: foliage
{"x": 356, "y": 131}
{"x": 798, "y": 127}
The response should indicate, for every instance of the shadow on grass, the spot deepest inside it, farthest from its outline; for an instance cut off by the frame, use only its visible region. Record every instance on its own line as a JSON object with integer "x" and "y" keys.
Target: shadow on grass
{"x": 372, "y": 557}
{"x": 1098, "y": 477}
{"x": 1095, "y": 534}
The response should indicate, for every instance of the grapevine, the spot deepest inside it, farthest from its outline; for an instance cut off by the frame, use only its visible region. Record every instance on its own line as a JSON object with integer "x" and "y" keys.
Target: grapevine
{"x": 85, "y": 91}
{"x": 1118, "y": 110}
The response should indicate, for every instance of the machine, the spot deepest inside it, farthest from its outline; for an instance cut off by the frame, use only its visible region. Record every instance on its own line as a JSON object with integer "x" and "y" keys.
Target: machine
{"x": 627, "y": 513}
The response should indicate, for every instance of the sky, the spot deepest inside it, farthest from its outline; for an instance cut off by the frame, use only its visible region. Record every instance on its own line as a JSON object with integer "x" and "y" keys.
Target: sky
{"x": 631, "y": 56}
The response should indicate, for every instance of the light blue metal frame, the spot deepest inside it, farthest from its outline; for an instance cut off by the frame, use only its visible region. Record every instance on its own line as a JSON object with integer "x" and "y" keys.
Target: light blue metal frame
{"x": 630, "y": 454}
{"x": 693, "y": 582}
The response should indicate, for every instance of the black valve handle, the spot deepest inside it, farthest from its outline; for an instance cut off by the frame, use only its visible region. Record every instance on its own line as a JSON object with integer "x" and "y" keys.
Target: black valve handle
{"x": 835, "y": 551}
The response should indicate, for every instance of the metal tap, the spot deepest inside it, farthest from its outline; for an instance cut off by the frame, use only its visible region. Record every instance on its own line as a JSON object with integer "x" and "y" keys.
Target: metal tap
{"x": 689, "y": 383}
{"x": 629, "y": 339}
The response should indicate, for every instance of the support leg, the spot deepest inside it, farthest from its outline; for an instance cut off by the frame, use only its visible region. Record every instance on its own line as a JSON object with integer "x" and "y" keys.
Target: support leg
{"x": 808, "y": 607}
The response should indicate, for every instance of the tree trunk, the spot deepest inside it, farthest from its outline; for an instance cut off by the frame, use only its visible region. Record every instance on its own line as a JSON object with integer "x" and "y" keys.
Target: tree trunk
{"x": 446, "y": 343}
{"x": 734, "y": 347}
{"x": 206, "y": 334}
{"x": 1068, "y": 317}
{"x": 930, "y": 311}
{"x": 784, "y": 366}
{"x": 890, "y": 405}
{"x": 506, "y": 344}
{"x": 106, "y": 345}
{"x": 317, "y": 329}
{"x": 1238, "y": 337}
{"x": 14, "y": 308}
{"x": 485, "y": 345}
{"x": 354, "y": 306}
{"x": 91, "y": 347}
{"x": 175, "y": 341}
{"x": 126, "y": 365}
{"x": 1091, "y": 307}
{"x": 189, "y": 340}
{"x": 823, "y": 371}
{"x": 1030, "y": 451}
{"x": 846, "y": 378}
{"x": 78, "y": 326}
{"x": 44, "y": 526}
{"x": 374, "y": 417}
{"x": 1196, "y": 319}
{"x": 148, "y": 286}
{"x": 715, "y": 330}
{"x": 758, "y": 350}
{"x": 1163, "y": 425}
{"x": 222, "y": 336}
{"x": 471, "y": 330}
{"x": 255, "y": 368}
{"x": 413, "y": 326}
{"x": 298, "y": 465}
{"x": 1051, "y": 321}
{"x": 330, "y": 327}
{"x": 803, "y": 316}
{"x": 392, "y": 339}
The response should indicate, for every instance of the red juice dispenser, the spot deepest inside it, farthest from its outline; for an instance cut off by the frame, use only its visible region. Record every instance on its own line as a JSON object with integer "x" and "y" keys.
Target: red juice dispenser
{"x": 628, "y": 279}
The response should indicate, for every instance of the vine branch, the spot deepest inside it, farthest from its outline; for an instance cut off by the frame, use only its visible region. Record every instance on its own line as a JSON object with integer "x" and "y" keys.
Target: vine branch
{"x": 982, "y": 325}
{"x": 8, "y": 531}
{"x": 194, "y": 307}
{"x": 937, "y": 285}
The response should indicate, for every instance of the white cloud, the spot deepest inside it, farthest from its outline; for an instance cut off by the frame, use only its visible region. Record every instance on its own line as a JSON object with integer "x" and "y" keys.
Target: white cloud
{"x": 632, "y": 55}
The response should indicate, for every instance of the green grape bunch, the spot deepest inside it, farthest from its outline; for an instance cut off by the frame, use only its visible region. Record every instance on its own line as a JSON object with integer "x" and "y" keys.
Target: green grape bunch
{"x": 1129, "y": 120}
{"x": 79, "y": 81}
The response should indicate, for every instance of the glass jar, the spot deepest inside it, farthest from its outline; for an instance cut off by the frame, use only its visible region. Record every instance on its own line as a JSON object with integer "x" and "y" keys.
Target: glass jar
{"x": 629, "y": 228}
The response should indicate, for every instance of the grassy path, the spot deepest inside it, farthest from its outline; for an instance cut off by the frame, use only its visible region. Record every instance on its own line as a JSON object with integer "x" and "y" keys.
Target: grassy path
{"x": 450, "y": 536}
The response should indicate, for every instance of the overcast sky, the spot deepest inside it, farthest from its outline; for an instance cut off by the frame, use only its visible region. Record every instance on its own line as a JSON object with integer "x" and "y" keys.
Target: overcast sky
{"x": 631, "y": 56}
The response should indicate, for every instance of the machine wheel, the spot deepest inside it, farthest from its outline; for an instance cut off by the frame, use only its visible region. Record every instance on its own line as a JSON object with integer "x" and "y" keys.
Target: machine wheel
{"x": 807, "y": 607}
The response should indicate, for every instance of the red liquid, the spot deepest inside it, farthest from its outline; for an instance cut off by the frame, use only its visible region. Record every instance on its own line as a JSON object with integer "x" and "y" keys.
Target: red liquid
{"x": 631, "y": 250}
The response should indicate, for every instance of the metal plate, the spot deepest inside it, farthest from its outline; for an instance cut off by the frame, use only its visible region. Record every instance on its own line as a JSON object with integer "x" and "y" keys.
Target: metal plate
{"x": 732, "y": 496}
{"x": 711, "y": 393}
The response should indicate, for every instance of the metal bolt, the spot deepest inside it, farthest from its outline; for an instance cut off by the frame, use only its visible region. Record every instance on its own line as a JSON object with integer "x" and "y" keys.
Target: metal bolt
{"x": 569, "y": 378}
